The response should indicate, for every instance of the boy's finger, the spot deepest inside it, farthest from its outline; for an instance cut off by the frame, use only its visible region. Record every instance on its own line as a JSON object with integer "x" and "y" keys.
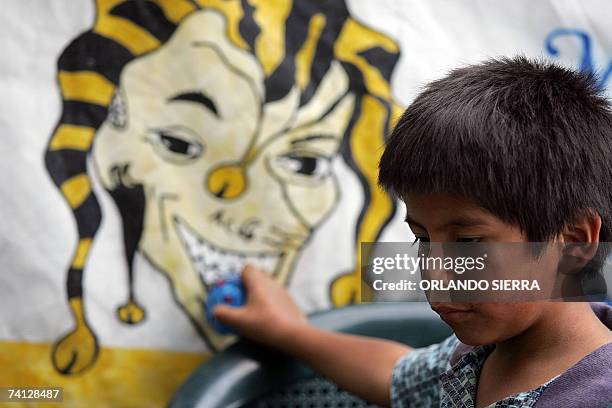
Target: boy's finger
{"x": 251, "y": 276}
{"x": 229, "y": 315}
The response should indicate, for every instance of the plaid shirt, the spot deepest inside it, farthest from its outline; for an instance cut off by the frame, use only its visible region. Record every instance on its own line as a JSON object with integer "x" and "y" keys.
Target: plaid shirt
{"x": 426, "y": 378}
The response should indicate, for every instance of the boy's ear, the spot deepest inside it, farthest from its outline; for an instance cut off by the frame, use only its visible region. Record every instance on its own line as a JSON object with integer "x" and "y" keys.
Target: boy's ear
{"x": 580, "y": 241}
{"x": 584, "y": 229}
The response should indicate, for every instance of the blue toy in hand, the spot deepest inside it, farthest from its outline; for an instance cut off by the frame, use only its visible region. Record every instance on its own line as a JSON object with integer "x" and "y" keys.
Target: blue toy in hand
{"x": 230, "y": 292}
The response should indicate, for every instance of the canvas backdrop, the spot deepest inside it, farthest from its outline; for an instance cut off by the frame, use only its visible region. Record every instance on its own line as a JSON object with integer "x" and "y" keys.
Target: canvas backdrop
{"x": 150, "y": 148}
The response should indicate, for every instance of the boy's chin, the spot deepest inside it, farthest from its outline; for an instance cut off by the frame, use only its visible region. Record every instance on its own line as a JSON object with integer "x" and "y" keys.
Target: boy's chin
{"x": 472, "y": 340}
{"x": 472, "y": 336}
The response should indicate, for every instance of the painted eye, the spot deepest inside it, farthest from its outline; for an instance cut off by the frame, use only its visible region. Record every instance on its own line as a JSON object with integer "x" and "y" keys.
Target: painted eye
{"x": 176, "y": 144}
{"x": 315, "y": 167}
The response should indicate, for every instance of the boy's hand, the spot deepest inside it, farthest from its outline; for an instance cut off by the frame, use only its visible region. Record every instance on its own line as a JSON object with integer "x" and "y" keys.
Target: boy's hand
{"x": 269, "y": 316}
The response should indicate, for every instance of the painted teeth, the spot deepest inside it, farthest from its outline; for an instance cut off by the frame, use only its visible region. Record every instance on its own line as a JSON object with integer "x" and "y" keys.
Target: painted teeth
{"x": 215, "y": 264}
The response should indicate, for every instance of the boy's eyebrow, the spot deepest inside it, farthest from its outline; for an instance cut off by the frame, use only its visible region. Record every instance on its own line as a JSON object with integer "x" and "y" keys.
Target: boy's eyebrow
{"x": 413, "y": 222}
{"x": 463, "y": 221}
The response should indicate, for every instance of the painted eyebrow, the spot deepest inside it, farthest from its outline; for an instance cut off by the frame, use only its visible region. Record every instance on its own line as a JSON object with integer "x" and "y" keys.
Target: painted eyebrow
{"x": 196, "y": 97}
{"x": 310, "y": 138}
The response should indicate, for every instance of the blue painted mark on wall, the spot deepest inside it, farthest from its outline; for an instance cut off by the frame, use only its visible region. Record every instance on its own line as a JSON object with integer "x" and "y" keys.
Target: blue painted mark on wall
{"x": 586, "y": 63}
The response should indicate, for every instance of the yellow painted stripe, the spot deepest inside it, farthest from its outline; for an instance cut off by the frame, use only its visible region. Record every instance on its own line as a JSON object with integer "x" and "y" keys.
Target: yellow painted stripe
{"x": 355, "y": 38}
{"x": 76, "y": 305}
{"x": 270, "y": 16}
{"x": 76, "y": 190}
{"x": 80, "y": 255}
{"x": 176, "y": 10}
{"x": 86, "y": 86}
{"x": 128, "y": 34}
{"x": 72, "y": 137}
{"x": 367, "y": 144}
{"x": 121, "y": 377}
{"x": 305, "y": 56}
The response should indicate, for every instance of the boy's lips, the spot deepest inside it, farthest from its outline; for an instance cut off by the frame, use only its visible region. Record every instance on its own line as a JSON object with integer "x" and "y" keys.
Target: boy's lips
{"x": 451, "y": 312}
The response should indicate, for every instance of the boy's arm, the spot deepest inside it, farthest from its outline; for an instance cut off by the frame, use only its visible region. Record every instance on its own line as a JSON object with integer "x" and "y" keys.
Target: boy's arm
{"x": 360, "y": 365}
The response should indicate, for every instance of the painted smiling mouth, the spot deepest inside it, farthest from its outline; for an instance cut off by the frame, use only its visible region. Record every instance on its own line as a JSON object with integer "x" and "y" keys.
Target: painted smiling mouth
{"x": 214, "y": 263}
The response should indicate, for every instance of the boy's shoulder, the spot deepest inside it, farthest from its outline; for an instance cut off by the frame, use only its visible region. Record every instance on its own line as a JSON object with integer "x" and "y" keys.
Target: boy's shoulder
{"x": 588, "y": 383}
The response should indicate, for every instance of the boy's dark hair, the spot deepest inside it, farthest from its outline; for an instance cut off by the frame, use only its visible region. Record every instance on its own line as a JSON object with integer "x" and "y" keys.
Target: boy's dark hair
{"x": 527, "y": 140}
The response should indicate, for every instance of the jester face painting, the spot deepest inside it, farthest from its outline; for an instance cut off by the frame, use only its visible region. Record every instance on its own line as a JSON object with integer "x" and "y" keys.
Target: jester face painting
{"x": 217, "y": 155}
{"x": 226, "y": 180}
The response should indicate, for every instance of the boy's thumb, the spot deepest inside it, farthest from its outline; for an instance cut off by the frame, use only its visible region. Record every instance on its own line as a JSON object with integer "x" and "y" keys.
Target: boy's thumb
{"x": 228, "y": 314}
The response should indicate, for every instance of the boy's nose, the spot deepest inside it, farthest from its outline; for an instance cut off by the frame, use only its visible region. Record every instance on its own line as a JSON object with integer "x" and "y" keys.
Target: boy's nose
{"x": 227, "y": 181}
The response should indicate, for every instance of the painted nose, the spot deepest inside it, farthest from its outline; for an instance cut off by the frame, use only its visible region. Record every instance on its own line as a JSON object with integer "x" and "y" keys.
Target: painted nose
{"x": 227, "y": 181}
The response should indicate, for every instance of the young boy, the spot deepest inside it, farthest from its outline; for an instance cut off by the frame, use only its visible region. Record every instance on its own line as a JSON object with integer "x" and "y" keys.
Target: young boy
{"x": 509, "y": 150}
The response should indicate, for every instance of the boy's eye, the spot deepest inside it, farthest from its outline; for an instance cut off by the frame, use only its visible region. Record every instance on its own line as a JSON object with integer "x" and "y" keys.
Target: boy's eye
{"x": 423, "y": 245}
{"x": 469, "y": 239}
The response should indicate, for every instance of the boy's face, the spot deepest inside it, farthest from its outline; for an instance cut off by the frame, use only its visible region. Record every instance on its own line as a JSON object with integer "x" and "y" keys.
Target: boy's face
{"x": 444, "y": 218}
